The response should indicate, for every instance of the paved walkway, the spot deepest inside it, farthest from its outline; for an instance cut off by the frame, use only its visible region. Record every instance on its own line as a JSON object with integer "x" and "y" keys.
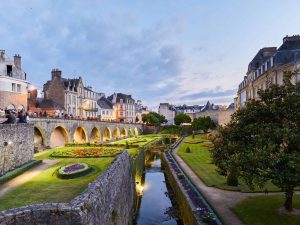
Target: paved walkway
{"x": 19, "y": 180}
{"x": 221, "y": 200}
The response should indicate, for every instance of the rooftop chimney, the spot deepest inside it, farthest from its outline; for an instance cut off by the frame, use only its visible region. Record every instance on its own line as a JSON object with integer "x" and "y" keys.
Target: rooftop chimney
{"x": 17, "y": 61}
{"x": 56, "y": 74}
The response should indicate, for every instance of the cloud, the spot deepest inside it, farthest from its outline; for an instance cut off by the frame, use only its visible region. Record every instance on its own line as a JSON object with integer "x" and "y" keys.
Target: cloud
{"x": 214, "y": 93}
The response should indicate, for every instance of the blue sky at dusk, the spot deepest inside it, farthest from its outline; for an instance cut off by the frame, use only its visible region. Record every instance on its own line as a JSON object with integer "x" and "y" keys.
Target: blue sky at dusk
{"x": 177, "y": 51}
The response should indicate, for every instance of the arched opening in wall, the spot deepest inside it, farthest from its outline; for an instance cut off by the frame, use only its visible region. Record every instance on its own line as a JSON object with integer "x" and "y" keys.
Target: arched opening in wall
{"x": 140, "y": 131}
{"x": 130, "y": 132}
{"x": 39, "y": 138}
{"x": 21, "y": 108}
{"x": 95, "y": 135}
{"x": 136, "y": 133}
{"x": 80, "y": 136}
{"x": 124, "y": 132}
{"x": 106, "y": 134}
{"x": 116, "y": 133}
{"x": 11, "y": 107}
{"x": 59, "y": 137}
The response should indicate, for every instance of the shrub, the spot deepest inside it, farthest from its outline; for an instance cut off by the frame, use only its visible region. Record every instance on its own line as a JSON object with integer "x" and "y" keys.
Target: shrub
{"x": 188, "y": 150}
{"x": 127, "y": 145}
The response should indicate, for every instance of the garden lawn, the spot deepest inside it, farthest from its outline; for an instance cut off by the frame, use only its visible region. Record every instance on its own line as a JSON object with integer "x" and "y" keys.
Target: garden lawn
{"x": 140, "y": 140}
{"x": 200, "y": 161}
{"x": 46, "y": 187}
{"x": 263, "y": 210}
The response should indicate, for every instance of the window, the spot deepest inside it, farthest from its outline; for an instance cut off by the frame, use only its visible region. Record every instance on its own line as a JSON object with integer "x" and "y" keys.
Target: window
{"x": 19, "y": 88}
{"x": 13, "y": 87}
{"x": 9, "y": 70}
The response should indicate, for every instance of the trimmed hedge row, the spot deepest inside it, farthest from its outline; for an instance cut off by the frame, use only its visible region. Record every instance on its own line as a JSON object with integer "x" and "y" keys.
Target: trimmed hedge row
{"x": 18, "y": 171}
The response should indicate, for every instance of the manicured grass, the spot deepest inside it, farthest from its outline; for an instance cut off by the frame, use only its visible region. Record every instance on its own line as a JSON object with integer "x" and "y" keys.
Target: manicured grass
{"x": 199, "y": 160}
{"x": 140, "y": 140}
{"x": 46, "y": 187}
{"x": 263, "y": 210}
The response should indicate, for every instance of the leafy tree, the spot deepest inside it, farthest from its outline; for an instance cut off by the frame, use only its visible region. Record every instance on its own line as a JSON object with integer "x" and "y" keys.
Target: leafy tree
{"x": 203, "y": 123}
{"x": 262, "y": 141}
{"x": 182, "y": 118}
{"x": 153, "y": 118}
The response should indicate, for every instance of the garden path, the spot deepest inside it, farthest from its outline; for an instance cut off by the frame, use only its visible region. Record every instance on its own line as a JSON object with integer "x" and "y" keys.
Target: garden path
{"x": 221, "y": 200}
{"x": 26, "y": 176}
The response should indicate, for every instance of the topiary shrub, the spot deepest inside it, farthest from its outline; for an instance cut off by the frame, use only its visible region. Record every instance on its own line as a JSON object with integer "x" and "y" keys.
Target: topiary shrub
{"x": 73, "y": 170}
{"x": 188, "y": 150}
{"x": 127, "y": 145}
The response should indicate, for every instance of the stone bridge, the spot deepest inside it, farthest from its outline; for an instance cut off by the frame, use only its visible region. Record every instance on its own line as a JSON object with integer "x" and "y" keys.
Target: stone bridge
{"x": 58, "y": 132}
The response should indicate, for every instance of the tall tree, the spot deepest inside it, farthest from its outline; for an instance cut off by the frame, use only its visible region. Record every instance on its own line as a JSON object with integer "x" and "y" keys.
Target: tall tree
{"x": 153, "y": 118}
{"x": 262, "y": 141}
{"x": 182, "y": 118}
{"x": 203, "y": 123}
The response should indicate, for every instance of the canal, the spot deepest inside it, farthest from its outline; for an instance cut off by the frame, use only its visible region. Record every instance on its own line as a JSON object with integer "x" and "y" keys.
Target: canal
{"x": 157, "y": 205}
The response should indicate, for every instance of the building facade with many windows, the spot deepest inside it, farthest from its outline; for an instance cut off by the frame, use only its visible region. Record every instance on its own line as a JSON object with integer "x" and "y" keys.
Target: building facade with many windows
{"x": 71, "y": 95}
{"x": 13, "y": 84}
{"x": 268, "y": 67}
{"x": 124, "y": 106}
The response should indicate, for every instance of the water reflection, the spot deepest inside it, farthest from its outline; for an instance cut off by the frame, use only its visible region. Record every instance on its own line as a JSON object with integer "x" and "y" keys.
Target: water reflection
{"x": 156, "y": 206}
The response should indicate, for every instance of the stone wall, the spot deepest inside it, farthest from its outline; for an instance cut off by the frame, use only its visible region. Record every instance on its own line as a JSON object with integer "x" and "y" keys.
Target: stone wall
{"x": 109, "y": 200}
{"x": 219, "y": 117}
{"x": 15, "y": 98}
{"x": 16, "y": 146}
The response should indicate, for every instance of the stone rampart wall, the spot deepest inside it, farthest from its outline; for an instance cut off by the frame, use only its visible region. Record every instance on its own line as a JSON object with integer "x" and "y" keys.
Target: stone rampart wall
{"x": 219, "y": 117}
{"x": 109, "y": 200}
{"x": 16, "y": 146}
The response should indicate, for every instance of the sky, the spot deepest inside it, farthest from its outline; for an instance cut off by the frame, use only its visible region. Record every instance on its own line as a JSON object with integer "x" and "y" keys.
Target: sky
{"x": 176, "y": 51}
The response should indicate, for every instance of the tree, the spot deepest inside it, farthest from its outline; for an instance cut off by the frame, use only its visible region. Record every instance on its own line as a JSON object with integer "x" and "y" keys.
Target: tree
{"x": 203, "y": 123}
{"x": 153, "y": 118}
{"x": 262, "y": 141}
{"x": 182, "y": 118}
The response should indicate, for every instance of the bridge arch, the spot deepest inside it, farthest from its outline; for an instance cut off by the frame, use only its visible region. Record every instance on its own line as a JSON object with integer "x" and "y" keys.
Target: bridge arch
{"x": 39, "y": 137}
{"x": 117, "y": 133}
{"x": 140, "y": 131}
{"x": 124, "y": 132}
{"x": 59, "y": 137}
{"x": 107, "y": 134}
{"x": 136, "y": 132}
{"x": 80, "y": 135}
{"x": 95, "y": 135}
{"x": 130, "y": 132}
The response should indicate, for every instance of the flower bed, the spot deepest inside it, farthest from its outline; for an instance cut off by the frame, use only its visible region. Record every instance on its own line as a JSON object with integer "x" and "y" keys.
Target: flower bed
{"x": 193, "y": 142}
{"x": 87, "y": 153}
{"x": 73, "y": 170}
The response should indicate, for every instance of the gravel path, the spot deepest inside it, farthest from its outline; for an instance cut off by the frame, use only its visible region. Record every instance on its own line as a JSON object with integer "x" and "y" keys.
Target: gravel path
{"x": 19, "y": 180}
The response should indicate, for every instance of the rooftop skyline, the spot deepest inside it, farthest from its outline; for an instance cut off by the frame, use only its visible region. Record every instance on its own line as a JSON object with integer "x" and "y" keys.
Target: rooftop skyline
{"x": 182, "y": 52}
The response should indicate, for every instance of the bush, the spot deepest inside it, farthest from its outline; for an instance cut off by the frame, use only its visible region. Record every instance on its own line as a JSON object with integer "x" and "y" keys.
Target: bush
{"x": 127, "y": 145}
{"x": 232, "y": 179}
{"x": 188, "y": 150}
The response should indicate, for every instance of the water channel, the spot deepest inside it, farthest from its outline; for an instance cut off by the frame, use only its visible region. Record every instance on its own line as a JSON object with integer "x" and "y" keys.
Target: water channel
{"x": 157, "y": 205}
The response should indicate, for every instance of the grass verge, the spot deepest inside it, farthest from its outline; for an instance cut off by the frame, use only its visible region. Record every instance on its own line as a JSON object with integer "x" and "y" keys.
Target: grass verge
{"x": 263, "y": 210}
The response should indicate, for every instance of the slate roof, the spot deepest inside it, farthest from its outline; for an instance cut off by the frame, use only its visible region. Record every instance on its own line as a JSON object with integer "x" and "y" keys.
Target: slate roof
{"x": 104, "y": 103}
{"x": 120, "y": 96}
{"x": 49, "y": 104}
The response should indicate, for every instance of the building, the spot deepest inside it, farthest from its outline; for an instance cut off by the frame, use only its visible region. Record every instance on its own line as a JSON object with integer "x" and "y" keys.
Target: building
{"x": 71, "y": 96}
{"x": 168, "y": 111}
{"x": 13, "y": 84}
{"x": 106, "y": 109}
{"x": 267, "y": 67}
{"x": 188, "y": 109}
{"x": 124, "y": 106}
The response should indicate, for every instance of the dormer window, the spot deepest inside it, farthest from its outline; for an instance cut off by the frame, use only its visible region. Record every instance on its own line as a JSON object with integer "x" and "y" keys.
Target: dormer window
{"x": 9, "y": 70}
